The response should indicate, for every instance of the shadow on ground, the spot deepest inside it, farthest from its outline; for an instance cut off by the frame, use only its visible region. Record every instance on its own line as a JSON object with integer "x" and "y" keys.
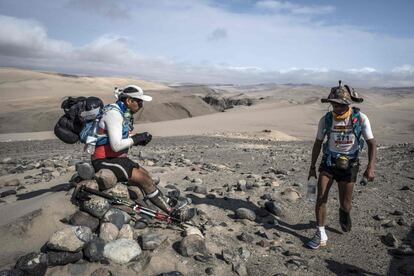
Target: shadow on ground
{"x": 233, "y": 204}
{"x": 346, "y": 269}
{"x": 403, "y": 264}
{"x": 57, "y": 188}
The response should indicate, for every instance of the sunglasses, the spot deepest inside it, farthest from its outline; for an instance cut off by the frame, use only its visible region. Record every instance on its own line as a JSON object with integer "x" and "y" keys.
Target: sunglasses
{"x": 138, "y": 101}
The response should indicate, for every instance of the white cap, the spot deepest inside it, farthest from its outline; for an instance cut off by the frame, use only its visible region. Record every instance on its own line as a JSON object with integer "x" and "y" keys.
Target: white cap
{"x": 133, "y": 91}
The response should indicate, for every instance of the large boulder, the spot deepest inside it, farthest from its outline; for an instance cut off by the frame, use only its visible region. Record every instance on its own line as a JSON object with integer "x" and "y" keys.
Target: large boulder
{"x": 85, "y": 170}
{"x": 70, "y": 239}
{"x": 32, "y": 264}
{"x": 119, "y": 190}
{"x": 122, "y": 251}
{"x": 106, "y": 179}
{"x": 108, "y": 231}
{"x": 152, "y": 241}
{"x": 116, "y": 216}
{"x": 244, "y": 213}
{"x": 94, "y": 250}
{"x": 193, "y": 245}
{"x": 126, "y": 232}
{"x": 91, "y": 184}
{"x": 84, "y": 219}
{"x": 96, "y": 206}
{"x": 55, "y": 258}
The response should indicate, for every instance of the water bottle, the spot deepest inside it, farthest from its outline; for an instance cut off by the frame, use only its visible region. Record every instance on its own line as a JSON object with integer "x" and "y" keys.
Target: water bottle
{"x": 92, "y": 138}
{"x": 311, "y": 193}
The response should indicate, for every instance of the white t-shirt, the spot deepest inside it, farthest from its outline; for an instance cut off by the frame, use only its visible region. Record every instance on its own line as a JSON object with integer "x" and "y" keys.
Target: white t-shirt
{"x": 342, "y": 138}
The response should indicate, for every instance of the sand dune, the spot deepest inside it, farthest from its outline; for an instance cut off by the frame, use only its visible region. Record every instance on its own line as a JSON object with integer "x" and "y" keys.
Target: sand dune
{"x": 293, "y": 110}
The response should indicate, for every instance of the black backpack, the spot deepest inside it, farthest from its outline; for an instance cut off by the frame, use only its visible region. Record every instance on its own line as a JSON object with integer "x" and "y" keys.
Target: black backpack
{"x": 77, "y": 110}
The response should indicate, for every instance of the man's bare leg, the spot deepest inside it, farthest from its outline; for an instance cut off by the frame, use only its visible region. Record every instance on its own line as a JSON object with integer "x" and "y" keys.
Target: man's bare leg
{"x": 345, "y": 200}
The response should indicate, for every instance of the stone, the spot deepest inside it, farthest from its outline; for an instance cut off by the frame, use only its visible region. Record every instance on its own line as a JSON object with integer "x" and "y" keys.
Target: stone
{"x": 106, "y": 179}
{"x": 264, "y": 243}
{"x": 122, "y": 251}
{"x": 141, "y": 224}
{"x": 241, "y": 185}
{"x": 7, "y": 160}
{"x": 200, "y": 190}
{"x": 126, "y": 232}
{"x": 32, "y": 264}
{"x": 190, "y": 230}
{"x": 135, "y": 193}
{"x": 85, "y": 170}
{"x": 102, "y": 272}
{"x": 108, "y": 231}
{"x": 48, "y": 163}
{"x": 390, "y": 240}
{"x": 240, "y": 269}
{"x": 297, "y": 263}
{"x": 379, "y": 217}
{"x": 197, "y": 181}
{"x": 274, "y": 208}
{"x": 291, "y": 194}
{"x": 141, "y": 263}
{"x": 244, "y": 213}
{"x": 12, "y": 182}
{"x": 63, "y": 258}
{"x": 389, "y": 223}
{"x": 71, "y": 238}
{"x": 96, "y": 206}
{"x": 91, "y": 184}
{"x": 209, "y": 271}
{"x": 192, "y": 245}
{"x": 119, "y": 190}
{"x": 171, "y": 273}
{"x": 115, "y": 216}
{"x": 94, "y": 250}
{"x": 152, "y": 241}
{"x": 84, "y": 219}
{"x": 245, "y": 237}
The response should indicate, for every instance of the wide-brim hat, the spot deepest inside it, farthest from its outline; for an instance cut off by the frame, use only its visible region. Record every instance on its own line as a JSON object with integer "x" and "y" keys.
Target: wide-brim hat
{"x": 343, "y": 95}
{"x": 134, "y": 92}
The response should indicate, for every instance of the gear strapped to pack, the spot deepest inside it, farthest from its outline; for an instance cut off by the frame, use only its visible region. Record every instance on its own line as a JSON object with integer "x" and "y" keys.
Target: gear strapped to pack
{"x": 356, "y": 129}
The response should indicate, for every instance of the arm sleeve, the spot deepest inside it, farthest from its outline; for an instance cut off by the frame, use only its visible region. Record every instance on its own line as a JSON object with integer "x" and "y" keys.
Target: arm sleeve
{"x": 366, "y": 127}
{"x": 113, "y": 123}
{"x": 320, "y": 135}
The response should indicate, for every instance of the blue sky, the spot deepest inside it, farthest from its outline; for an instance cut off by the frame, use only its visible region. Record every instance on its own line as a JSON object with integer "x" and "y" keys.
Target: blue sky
{"x": 365, "y": 43}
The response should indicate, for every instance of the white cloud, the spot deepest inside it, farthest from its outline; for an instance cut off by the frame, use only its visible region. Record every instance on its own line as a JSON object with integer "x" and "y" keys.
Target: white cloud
{"x": 406, "y": 68}
{"x": 28, "y": 38}
{"x": 285, "y": 6}
{"x": 261, "y": 48}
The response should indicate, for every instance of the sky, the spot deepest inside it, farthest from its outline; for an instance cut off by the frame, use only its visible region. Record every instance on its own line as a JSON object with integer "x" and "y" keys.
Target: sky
{"x": 365, "y": 43}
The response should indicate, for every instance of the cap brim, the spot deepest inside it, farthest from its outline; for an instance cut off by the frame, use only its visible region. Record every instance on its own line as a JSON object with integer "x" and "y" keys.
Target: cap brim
{"x": 145, "y": 98}
{"x": 339, "y": 101}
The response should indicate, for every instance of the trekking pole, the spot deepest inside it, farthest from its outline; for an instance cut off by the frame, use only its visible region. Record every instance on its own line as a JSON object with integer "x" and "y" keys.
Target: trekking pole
{"x": 139, "y": 209}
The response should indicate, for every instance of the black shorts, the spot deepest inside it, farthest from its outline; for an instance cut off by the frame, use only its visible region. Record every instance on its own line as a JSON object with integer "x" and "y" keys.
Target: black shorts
{"x": 121, "y": 166}
{"x": 348, "y": 175}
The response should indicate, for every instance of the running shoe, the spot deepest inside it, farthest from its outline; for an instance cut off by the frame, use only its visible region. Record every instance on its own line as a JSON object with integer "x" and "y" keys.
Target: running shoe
{"x": 316, "y": 241}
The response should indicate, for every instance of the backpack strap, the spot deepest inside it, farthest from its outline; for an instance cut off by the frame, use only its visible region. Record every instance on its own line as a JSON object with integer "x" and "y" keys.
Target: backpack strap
{"x": 357, "y": 127}
{"x": 327, "y": 131}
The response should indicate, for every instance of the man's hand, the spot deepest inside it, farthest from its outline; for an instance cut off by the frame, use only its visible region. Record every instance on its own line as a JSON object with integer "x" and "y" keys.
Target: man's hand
{"x": 312, "y": 172}
{"x": 369, "y": 174}
{"x": 141, "y": 139}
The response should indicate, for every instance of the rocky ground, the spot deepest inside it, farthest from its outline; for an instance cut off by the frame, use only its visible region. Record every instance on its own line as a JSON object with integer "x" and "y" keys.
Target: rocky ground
{"x": 250, "y": 196}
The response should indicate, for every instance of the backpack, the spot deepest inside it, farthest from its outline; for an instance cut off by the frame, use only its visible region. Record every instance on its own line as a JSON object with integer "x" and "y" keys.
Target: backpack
{"x": 356, "y": 129}
{"x": 79, "y": 111}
